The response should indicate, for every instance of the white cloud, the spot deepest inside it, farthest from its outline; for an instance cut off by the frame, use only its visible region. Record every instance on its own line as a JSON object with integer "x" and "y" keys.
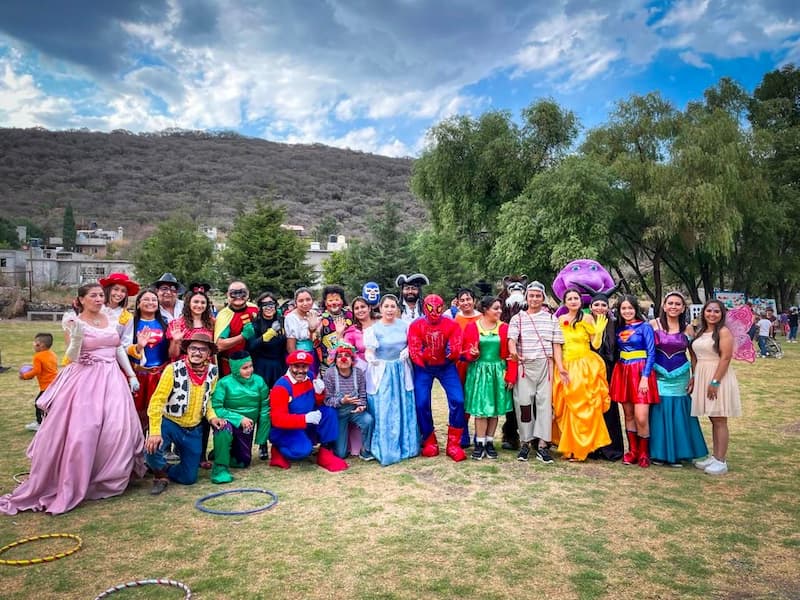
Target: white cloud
{"x": 691, "y": 58}
{"x": 685, "y": 12}
{"x": 22, "y": 103}
{"x": 308, "y": 72}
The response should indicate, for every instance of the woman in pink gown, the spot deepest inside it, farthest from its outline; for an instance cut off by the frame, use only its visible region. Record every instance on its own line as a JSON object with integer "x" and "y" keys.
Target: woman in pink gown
{"x": 90, "y": 443}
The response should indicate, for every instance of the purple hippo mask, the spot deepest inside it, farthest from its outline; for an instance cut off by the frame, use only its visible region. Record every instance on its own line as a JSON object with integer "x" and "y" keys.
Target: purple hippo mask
{"x": 587, "y": 275}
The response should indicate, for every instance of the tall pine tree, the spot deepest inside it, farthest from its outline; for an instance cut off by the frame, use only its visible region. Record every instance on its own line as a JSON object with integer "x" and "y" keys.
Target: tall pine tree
{"x": 68, "y": 234}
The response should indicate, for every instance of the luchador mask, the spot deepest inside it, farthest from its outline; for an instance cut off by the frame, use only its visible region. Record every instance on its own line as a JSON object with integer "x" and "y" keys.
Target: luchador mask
{"x": 371, "y": 292}
{"x": 433, "y": 307}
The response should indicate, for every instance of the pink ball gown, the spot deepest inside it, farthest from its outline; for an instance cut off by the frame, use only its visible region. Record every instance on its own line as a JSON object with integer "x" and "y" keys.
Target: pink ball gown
{"x": 90, "y": 443}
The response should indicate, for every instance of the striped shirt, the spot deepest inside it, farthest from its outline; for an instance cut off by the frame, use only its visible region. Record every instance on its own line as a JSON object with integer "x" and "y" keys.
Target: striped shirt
{"x": 535, "y": 334}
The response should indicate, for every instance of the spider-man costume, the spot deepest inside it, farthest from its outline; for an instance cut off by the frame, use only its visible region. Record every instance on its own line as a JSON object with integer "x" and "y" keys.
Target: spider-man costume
{"x": 434, "y": 345}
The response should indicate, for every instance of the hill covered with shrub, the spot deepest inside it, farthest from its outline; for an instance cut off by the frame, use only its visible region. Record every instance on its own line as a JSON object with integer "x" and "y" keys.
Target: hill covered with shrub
{"x": 137, "y": 180}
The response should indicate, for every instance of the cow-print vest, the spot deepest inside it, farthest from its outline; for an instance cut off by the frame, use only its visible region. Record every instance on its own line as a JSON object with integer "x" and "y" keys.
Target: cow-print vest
{"x": 178, "y": 400}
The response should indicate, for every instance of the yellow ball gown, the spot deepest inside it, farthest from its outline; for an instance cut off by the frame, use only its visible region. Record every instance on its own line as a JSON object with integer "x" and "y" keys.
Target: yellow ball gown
{"x": 578, "y": 407}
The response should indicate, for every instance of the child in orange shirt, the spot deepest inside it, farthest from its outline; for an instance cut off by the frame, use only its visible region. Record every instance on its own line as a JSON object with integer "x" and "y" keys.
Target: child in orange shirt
{"x": 45, "y": 369}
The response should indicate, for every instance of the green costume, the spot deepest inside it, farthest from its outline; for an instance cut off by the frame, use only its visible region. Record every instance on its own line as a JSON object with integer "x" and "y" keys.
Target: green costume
{"x": 235, "y": 398}
{"x": 485, "y": 392}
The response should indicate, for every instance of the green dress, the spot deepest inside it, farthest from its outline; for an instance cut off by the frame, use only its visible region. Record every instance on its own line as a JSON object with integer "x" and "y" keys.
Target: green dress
{"x": 485, "y": 387}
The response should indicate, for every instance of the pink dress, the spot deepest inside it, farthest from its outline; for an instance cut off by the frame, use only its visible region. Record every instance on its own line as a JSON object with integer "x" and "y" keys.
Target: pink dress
{"x": 90, "y": 443}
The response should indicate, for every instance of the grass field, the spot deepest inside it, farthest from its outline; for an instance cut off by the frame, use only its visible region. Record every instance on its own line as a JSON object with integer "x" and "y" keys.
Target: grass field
{"x": 430, "y": 528}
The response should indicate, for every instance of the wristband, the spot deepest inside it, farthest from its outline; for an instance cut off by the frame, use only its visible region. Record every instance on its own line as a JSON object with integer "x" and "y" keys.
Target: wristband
{"x": 714, "y": 382}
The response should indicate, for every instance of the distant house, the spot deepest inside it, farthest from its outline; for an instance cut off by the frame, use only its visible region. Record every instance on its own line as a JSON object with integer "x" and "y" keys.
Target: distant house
{"x": 95, "y": 241}
{"x": 316, "y": 254}
{"x": 44, "y": 267}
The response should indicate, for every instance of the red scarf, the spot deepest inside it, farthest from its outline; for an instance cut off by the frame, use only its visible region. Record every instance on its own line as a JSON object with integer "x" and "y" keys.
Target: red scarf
{"x": 197, "y": 378}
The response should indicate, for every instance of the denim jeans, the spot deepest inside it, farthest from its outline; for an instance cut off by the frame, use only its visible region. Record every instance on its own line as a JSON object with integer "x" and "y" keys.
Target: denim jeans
{"x": 363, "y": 420}
{"x": 187, "y": 445}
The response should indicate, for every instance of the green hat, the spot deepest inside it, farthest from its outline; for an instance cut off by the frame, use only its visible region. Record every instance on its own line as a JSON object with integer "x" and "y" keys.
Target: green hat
{"x": 237, "y": 360}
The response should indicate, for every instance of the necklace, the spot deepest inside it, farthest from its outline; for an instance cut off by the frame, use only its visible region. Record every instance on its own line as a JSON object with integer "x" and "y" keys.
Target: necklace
{"x": 96, "y": 321}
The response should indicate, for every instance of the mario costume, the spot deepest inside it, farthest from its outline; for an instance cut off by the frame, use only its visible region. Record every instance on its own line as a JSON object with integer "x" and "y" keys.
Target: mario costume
{"x": 300, "y": 419}
{"x": 434, "y": 346}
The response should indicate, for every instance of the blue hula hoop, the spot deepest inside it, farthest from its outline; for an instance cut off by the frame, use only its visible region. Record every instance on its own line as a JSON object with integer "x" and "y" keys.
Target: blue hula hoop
{"x": 199, "y": 504}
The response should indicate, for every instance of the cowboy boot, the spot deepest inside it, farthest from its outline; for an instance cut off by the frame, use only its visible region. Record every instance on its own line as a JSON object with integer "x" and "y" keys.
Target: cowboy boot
{"x": 632, "y": 456}
{"x": 644, "y": 452}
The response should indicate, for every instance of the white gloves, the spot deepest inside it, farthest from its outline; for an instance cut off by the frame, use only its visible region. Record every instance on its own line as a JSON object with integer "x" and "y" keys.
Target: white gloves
{"x": 404, "y": 354}
{"x": 125, "y": 365}
{"x": 319, "y": 385}
{"x": 313, "y": 417}
{"x": 75, "y": 330}
{"x": 276, "y": 326}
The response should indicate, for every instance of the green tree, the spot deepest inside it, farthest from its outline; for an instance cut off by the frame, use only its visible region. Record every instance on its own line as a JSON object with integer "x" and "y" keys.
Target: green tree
{"x": 326, "y": 227}
{"x": 177, "y": 247}
{"x": 69, "y": 234}
{"x": 632, "y": 144}
{"x": 380, "y": 258}
{"x": 565, "y": 213}
{"x": 446, "y": 259}
{"x": 697, "y": 200}
{"x": 775, "y": 117}
{"x": 8, "y": 234}
{"x": 474, "y": 166}
{"x": 265, "y": 255}
{"x": 348, "y": 268}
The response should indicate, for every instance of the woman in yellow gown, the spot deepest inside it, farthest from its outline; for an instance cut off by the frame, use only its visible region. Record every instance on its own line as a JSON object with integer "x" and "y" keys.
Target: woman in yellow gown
{"x": 581, "y": 398}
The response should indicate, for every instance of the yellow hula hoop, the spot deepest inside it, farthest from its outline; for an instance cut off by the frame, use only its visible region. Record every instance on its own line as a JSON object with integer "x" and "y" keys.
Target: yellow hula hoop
{"x": 36, "y": 561}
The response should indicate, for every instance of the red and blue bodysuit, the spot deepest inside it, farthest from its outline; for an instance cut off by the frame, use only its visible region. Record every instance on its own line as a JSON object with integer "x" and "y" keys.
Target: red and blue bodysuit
{"x": 434, "y": 346}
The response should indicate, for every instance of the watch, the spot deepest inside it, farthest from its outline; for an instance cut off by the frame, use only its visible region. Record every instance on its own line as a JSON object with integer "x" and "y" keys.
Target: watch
{"x": 715, "y": 382}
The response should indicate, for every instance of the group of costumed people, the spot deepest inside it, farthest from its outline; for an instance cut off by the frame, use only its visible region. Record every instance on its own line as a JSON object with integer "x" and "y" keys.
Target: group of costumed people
{"x": 357, "y": 379}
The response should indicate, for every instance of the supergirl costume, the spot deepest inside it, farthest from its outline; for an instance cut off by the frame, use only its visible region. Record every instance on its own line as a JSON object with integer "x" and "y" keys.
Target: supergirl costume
{"x": 579, "y": 406}
{"x": 675, "y": 434}
{"x": 148, "y": 365}
{"x": 637, "y": 355}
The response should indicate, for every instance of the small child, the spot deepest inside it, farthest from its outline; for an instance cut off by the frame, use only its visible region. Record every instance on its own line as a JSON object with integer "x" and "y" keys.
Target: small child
{"x": 45, "y": 369}
{"x": 346, "y": 391}
{"x": 242, "y": 400}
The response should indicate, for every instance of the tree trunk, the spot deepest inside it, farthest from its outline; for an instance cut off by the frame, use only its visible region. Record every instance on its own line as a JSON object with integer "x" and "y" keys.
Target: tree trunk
{"x": 657, "y": 282}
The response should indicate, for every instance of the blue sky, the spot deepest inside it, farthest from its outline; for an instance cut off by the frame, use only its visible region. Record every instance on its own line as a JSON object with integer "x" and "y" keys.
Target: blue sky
{"x": 371, "y": 75}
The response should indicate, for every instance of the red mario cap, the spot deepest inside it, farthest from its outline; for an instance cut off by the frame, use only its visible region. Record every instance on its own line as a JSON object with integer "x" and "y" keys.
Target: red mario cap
{"x": 300, "y": 357}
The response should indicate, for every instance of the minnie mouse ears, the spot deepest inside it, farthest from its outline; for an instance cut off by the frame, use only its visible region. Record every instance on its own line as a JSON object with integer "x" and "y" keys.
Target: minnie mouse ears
{"x": 416, "y": 279}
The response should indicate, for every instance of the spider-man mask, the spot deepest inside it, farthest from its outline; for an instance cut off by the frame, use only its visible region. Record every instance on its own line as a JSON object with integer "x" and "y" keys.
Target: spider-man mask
{"x": 433, "y": 306}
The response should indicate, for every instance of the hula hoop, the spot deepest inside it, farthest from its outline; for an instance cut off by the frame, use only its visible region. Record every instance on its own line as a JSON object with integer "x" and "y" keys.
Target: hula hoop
{"x": 229, "y": 513}
{"x": 36, "y": 561}
{"x": 16, "y": 476}
{"x": 141, "y": 582}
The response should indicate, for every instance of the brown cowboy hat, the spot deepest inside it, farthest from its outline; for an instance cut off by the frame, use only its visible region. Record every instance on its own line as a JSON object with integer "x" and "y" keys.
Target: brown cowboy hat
{"x": 198, "y": 336}
{"x": 121, "y": 279}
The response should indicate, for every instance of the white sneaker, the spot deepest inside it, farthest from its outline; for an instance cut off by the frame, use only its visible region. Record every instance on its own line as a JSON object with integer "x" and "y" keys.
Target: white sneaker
{"x": 718, "y": 467}
{"x": 702, "y": 464}
{"x": 32, "y": 426}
